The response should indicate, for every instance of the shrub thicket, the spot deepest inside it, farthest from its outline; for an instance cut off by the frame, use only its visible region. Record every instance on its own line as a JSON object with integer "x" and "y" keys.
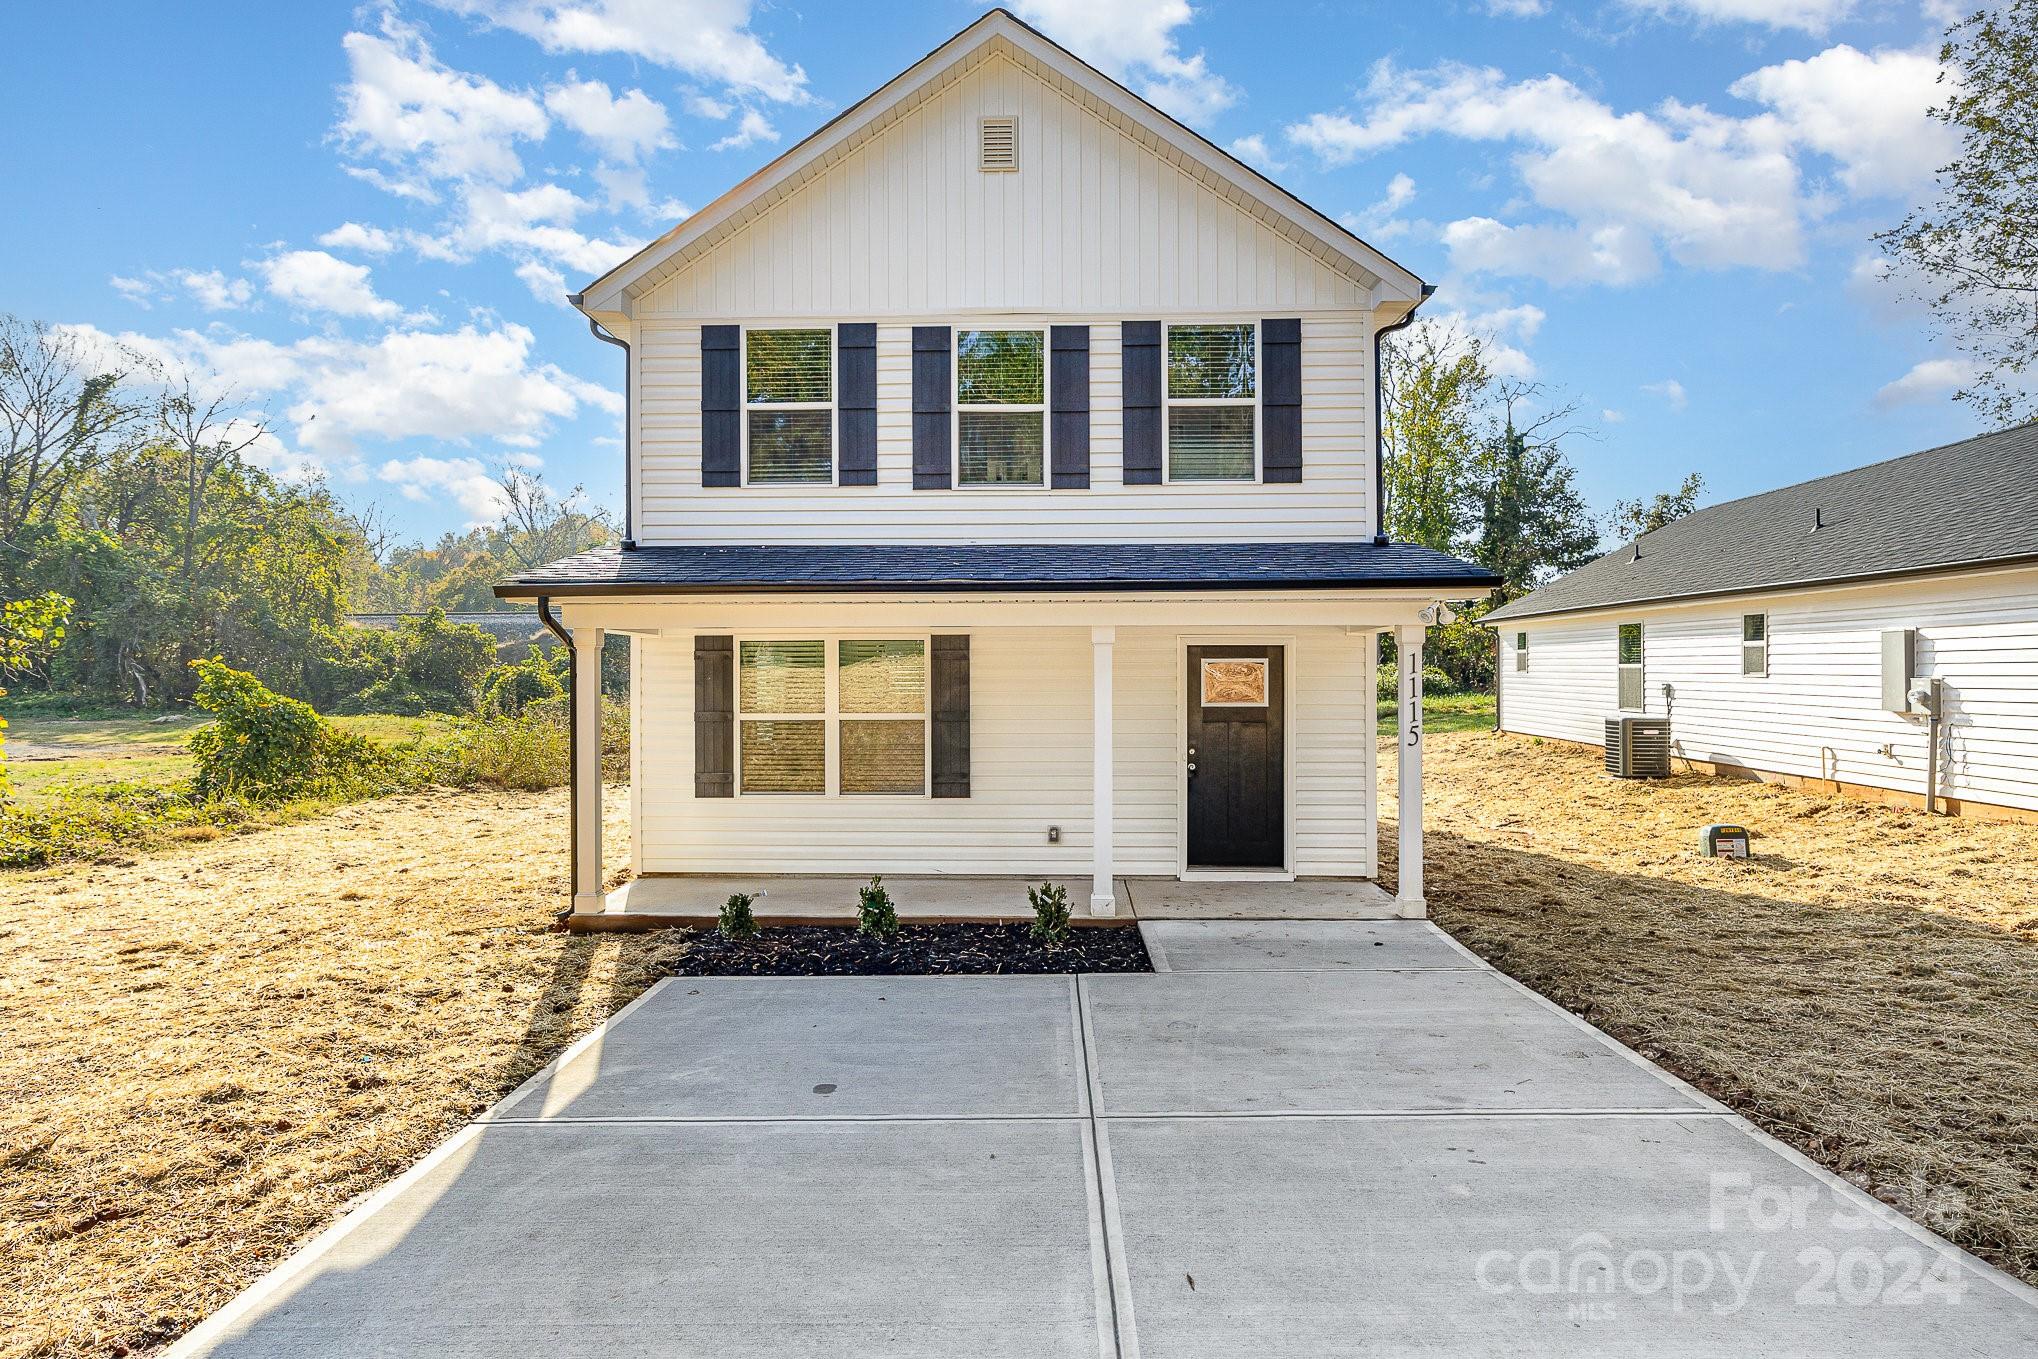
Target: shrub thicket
{"x": 263, "y": 747}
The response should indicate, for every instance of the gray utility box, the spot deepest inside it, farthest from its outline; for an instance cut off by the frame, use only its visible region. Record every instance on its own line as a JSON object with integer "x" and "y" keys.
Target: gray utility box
{"x": 1638, "y": 747}
{"x": 1899, "y": 664}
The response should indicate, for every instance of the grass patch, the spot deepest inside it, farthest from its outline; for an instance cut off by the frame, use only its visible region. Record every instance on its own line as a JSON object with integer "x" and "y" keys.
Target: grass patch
{"x": 1864, "y": 987}
{"x": 1443, "y": 713}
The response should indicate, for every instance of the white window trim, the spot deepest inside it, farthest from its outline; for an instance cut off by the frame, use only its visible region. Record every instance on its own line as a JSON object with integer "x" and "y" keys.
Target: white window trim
{"x": 831, "y": 715}
{"x": 1763, "y": 673}
{"x": 956, "y": 409}
{"x": 832, "y": 405}
{"x": 1521, "y": 652}
{"x": 1169, "y": 402}
{"x": 1639, "y": 667}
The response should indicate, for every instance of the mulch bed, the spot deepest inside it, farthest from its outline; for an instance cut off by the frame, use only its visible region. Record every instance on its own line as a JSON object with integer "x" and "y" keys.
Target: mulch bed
{"x": 953, "y": 950}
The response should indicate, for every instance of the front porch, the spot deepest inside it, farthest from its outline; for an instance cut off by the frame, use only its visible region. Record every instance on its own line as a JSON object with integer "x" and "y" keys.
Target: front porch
{"x": 664, "y": 901}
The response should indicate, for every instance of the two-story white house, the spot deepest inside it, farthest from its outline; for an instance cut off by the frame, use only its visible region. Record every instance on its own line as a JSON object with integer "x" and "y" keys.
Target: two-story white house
{"x": 1003, "y": 499}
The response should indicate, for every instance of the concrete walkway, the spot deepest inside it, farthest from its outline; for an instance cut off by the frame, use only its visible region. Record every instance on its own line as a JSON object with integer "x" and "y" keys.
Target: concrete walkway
{"x": 1305, "y": 1139}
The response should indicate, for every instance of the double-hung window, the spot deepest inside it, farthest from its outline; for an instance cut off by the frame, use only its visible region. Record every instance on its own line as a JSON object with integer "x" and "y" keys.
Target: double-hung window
{"x": 1521, "y": 651}
{"x": 843, "y": 715}
{"x": 789, "y": 405}
{"x": 1632, "y": 694}
{"x": 1001, "y": 407}
{"x": 1754, "y": 643}
{"x": 1213, "y": 402}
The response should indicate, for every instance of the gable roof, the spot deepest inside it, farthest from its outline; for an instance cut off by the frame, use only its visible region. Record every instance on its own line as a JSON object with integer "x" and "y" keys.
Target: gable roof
{"x": 996, "y": 567}
{"x": 1968, "y": 504}
{"x": 1002, "y": 34}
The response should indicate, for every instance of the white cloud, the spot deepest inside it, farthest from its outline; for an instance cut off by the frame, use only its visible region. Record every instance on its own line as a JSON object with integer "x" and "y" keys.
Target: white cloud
{"x": 353, "y": 236}
{"x": 139, "y": 291}
{"x": 316, "y": 281}
{"x": 406, "y": 107}
{"x": 1868, "y": 111}
{"x": 625, "y": 127}
{"x": 1931, "y": 380}
{"x": 1377, "y": 221}
{"x": 709, "y": 39}
{"x": 706, "y": 106}
{"x": 1613, "y": 254}
{"x": 1671, "y": 390}
{"x": 429, "y": 480}
{"x": 1611, "y": 417}
{"x": 1134, "y": 40}
{"x": 214, "y": 291}
{"x": 751, "y": 128}
{"x": 546, "y": 283}
{"x": 1517, "y": 9}
{"x": 1810, "y": 16}
{"x": 1253, "y": 150}
{"x": 533, "y": 222}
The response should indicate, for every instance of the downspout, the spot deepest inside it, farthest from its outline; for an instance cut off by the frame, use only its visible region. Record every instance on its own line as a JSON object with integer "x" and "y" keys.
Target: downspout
{"x": 552, "y": 626}
{"x": 1379, "y": 421}
{"x": 595, "y": 328}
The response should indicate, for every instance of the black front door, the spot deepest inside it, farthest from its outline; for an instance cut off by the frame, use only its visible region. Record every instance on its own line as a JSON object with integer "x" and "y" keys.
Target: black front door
{"x": 1236, "y": 778}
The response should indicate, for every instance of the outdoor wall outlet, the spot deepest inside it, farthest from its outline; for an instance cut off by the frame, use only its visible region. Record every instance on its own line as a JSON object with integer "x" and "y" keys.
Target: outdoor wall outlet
{"x": 1054, "y": 835}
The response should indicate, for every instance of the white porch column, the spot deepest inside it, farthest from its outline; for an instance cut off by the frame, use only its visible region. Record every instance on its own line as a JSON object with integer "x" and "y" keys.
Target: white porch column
{"x": 1408, "y": 800}
{"x": 1103, "y": 896}
{"x": 587, "y": 796}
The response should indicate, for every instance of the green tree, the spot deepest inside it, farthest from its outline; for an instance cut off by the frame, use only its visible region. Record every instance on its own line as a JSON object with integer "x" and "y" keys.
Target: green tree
{"x": 1532, "y": 522}
{"x": 1633, "y": 518}
{"x": 1434, "y": 386}
{"x": 30, "y": 632}
{"x": 1976, "y": 248}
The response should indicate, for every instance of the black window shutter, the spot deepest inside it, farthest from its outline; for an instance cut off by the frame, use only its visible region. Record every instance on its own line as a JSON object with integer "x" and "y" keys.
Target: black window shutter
{"x": 856, "y": 404}
{"x": 1069, "y": 434}
{"x": 714, "y": 717}
{"x": 1141, "y": 347}
{"x": 721, "y": 406}
{"x": 949, "y": 671}
{"x": 1281, "y": 400}
{"x": 931, "y": 398}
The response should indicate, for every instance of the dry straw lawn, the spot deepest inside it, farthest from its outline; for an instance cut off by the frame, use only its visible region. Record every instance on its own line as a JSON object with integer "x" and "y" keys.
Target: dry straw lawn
{"x": 210, "y": 1050}
{"x": 1865, "y": 987}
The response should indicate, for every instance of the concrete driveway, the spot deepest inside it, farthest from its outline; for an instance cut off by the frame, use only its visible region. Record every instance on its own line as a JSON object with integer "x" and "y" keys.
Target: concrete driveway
{"x": 1303, "y": 1140}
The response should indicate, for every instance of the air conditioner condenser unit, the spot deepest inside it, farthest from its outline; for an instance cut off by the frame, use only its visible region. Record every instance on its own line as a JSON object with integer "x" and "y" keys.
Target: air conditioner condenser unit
{"x": 1638, "y": 747}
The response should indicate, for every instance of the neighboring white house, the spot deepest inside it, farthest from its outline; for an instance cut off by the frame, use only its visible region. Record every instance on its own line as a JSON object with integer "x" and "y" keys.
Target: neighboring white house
{"x": 1003, "y": 499}
{"x": 1781, "y": 633}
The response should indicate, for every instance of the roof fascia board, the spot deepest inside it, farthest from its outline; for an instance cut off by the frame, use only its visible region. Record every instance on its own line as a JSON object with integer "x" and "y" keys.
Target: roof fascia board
{"x": 607, "y": 294}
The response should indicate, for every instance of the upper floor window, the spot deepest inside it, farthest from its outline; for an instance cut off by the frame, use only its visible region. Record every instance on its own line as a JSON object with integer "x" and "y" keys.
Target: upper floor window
{"x": 1212, "y": 399}
{"x": 1001, "y": 407}
{"x": 789, "y": 405}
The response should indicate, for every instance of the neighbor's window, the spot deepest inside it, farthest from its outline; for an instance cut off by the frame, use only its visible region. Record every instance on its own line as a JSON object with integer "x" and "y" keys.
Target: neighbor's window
{"x": 869, "y": 696}
{"x": 1001, "y": 407}
{"x": 1213, "y": 413}
{"x": 1521, "y": 651}
{"x": 789, "y": 404}
{"x": 1631, "y": 692}
{"x": 1754, "y": 643}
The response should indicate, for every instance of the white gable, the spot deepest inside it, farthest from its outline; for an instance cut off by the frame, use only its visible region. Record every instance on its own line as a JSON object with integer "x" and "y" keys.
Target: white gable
{"x": 1113, "y": 207}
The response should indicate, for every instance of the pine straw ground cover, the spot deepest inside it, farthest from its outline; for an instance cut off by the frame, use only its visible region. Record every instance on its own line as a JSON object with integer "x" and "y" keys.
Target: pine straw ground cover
{"x": 209, "y": 1050}
{"x": 1865, "y": 987}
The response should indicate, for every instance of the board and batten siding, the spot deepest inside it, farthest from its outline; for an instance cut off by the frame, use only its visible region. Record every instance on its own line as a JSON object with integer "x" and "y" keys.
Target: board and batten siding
{"x": 1818, "y": 712}
{"x": 1091, "y": 221}
{"x": 1030, "y": 768}
{"x": 1334, "y": 499}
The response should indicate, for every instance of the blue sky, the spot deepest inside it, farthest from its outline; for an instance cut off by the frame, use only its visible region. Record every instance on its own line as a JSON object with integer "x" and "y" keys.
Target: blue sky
{"x": 364, "y": 216}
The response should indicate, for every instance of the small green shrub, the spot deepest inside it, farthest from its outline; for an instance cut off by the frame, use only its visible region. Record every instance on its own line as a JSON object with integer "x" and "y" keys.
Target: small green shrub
{"x": 264, "y": 747}
{"x": 736, "y": 921}
{"x": 509, "y": 689}
{"x": 1050, "y": 903}
{"x": 875, "y": 915}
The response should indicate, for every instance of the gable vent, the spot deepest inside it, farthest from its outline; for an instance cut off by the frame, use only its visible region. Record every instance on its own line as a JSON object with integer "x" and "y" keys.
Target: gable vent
{"x": 998, "y": 143}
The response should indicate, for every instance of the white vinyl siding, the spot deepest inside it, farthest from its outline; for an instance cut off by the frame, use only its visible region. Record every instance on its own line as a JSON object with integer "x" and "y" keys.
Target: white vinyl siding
{"x": 1030, "y": 768}
{"x": 1818, "y": 714}
{"x": 1333, "y": 500}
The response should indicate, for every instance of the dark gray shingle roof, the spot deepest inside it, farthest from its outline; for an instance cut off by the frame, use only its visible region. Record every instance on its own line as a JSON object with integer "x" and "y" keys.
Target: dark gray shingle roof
{"x": 1960, "y": 505}
{"x": 987, "y": 567}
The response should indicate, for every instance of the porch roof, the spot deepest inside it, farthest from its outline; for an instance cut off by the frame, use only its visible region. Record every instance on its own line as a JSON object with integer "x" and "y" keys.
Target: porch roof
{"x": 999, "y": 567}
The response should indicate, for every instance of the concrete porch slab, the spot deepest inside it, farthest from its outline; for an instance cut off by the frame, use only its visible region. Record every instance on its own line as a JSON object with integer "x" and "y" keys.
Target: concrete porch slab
{"x": 1573, "y": 1235}
{"x": 710, "y": 1240}
{"x": 1341, "y": 1042}
{"x": 803, "y": 899}
{"x": 837, "y": 1047}
{"x": 1299, "y": 946}
{"x": 1241, "y": 899}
